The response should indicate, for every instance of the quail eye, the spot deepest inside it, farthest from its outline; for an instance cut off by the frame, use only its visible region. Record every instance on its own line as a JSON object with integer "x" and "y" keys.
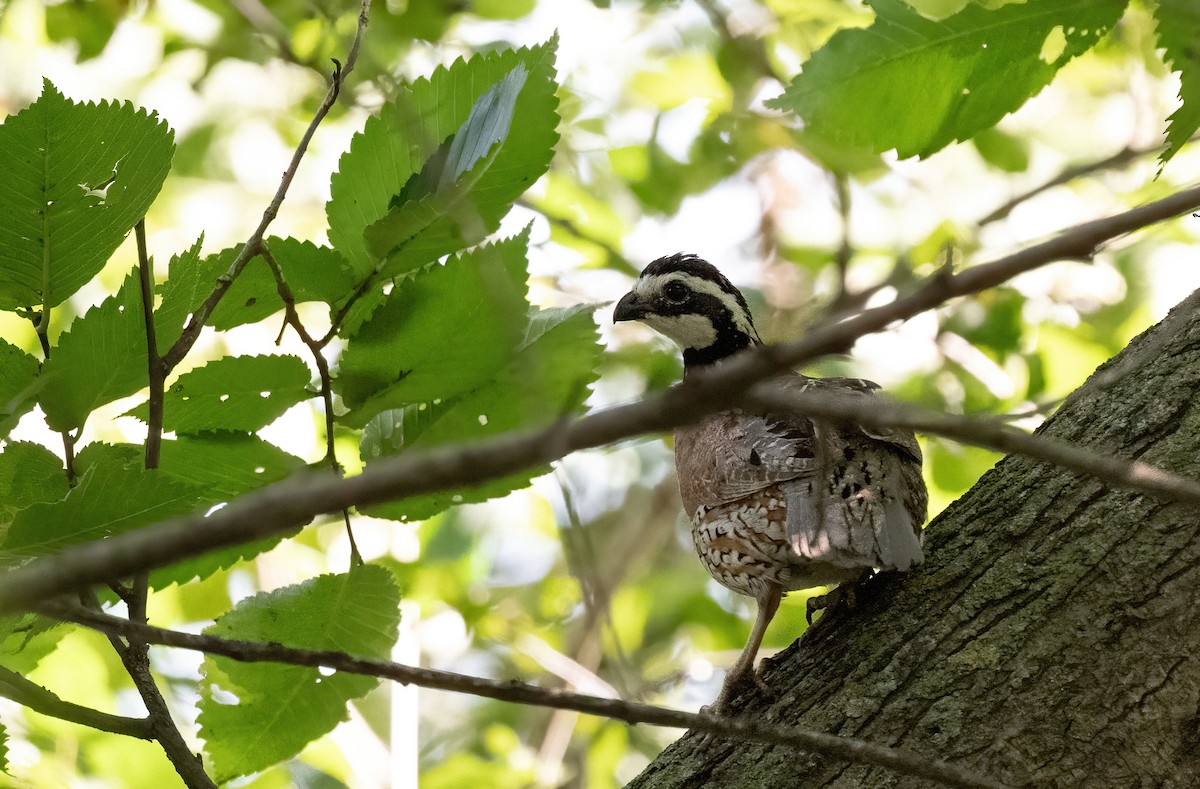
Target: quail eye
{"x": 675, "y": 292}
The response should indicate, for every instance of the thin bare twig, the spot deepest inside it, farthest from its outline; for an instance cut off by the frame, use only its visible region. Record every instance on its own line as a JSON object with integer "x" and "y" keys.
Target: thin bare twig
{"x": 315, "y": 348}
{"x": 136, "y": 660}
{"x": 1114, "y": 162}
{"x": 522, "y": 693}
{"x": 285, "y": 505}
{"x": 32, "y": 695}
{"x": 253, "y": 245}
{"x": 845, "y": 251}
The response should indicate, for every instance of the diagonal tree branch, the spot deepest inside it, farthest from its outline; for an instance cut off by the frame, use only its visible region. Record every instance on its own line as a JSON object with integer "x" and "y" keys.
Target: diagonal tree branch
{"x": 253, "y": 245}
{"x": 989, "y": 433}
{"x": 295, "y": 501}
{"x": 32, "y": 695}
{"x": 1114, "y": 161}
{"x": 524, "y": 693}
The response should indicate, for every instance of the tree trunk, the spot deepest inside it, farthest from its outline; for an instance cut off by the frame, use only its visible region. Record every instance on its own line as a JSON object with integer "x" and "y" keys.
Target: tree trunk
{"x": 1052, "y": 637}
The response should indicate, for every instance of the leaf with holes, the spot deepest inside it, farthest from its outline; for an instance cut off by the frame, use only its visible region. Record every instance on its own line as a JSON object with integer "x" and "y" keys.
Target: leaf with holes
{"x": 114, "y": 494}
{"x": 438, "y": 166}
{"x": 77, "y": 177}
{"x": 1178, "y": 27}
{"x": 253, "y": 715}
{"x": 19, "y": 385}
{"x": 101, "y": 358}
{"x": 916, "y": 85}
{"x": 441, "y": 332}
{"x": 219, "y": 467}
{"x": 548, "y": 377}
{"x": 233, "y": 393}
{"x": 224, "y": 466}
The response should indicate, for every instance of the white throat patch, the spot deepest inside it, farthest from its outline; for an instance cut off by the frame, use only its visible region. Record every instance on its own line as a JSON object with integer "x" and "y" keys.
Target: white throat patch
{"x": 687, "y": 331}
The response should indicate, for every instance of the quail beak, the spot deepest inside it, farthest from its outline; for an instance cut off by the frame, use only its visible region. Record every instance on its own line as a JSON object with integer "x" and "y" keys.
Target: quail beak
{"x": 629, "y": 308}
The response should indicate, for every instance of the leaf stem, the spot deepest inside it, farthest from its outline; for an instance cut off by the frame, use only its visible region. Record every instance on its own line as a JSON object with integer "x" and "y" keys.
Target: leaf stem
{"x": 156, "y": 371}
{"x": 41, "y": 325}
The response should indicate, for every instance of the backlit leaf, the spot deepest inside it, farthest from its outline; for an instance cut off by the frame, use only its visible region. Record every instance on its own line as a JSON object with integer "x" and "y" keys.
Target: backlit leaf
{"x": 102, "y": 357}
{"x": 397, "y": 145}
{"x": 77, "y": 177}
{"x": 1179, "y": 35}
{"x": 114, "y": 494}
{"x": 253, "y": 715}
{"x": 441, "y": 332}
{"x": 240, "y": 393}
{"x": 18, "y": 385}
{"x": 916, "y": 85}
{"x": 548, "y": 378}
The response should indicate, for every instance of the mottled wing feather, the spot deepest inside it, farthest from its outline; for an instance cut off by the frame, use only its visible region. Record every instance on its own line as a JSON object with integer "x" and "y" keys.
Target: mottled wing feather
{"x": 855, "y": 498}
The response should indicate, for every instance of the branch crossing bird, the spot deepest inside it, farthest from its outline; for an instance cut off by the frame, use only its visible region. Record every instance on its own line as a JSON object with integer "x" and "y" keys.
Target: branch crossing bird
{"x": 777, "y": 502}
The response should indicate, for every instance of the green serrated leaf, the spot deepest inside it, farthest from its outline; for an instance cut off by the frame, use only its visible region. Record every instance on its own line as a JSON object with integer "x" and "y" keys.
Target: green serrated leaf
{"x": 226, "y": 465}
{"x": 1178, "y": 27}
{"x": 188, "y": 284}
{"x": 916, "y": 85}
{"x": 19, "y": 385}
{"x": 549, "y": 377}
{"x": 101, "y": 358}
{"x": 223, "y": 466}
{"x": 217, "y": 467}
{"x": 114, "y": 495}
{"x": 436, "y": 211}
{"x": 3, "y": 748}
{"x": 29, "y": 473}
{"x": 233, "y": 393}
{"x": 77, "y": 177}
{"x": 395, "y": 145}
{"x": 313, "y": 273}
{"x": 412, "y": 350}
{"x": 253, "y": 715}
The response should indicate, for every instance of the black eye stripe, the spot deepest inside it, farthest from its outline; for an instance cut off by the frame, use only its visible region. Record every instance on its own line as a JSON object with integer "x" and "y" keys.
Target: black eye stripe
{"x": 677, "y": 292}
{"x": 698, "y": 304}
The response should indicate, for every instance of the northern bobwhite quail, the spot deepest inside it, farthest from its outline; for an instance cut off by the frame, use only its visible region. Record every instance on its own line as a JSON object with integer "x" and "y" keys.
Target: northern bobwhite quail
{"x": 777, "y": 502}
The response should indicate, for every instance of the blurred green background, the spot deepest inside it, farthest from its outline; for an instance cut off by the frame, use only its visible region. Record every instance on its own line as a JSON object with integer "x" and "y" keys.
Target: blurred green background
{"x": 587, "y": 579}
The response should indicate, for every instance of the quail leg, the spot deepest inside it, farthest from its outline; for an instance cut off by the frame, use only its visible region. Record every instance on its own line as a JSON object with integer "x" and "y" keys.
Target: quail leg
{"x": 843, "y": 591}
{"x": 743, "y": 669}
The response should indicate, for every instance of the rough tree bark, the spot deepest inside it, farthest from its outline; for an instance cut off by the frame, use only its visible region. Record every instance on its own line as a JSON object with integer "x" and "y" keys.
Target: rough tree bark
{"x": 1052, "y": 638}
